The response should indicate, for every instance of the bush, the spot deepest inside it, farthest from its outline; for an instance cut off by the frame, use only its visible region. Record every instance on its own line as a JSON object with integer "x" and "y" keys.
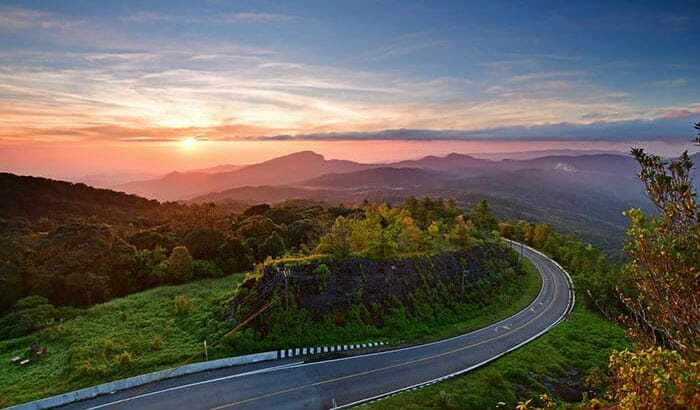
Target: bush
{"x": 31, "y": 302}
{"x": 205, "y": 269}
{"x": 30, "y": 314}
{"x": 322, "y": 271}
{"x": 122, "y": 359}
{"x": 183, "y": 304}
{"x": 655, "y": 378}
{"x": 157, "y": 343}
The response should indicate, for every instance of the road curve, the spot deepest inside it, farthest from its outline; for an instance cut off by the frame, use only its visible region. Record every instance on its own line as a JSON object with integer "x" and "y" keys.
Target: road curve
{"x": 349, "y": 381}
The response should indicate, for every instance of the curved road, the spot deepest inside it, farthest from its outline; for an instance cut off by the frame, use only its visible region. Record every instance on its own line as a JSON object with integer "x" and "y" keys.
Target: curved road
{"x": 353, "y": 380}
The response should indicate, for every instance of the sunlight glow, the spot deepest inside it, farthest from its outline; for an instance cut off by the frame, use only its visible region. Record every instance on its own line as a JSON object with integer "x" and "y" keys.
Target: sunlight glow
{"x": 189, "y": 143}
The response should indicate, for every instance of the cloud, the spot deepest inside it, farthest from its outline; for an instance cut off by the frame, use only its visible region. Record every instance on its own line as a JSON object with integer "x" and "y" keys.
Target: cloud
{"x": 636, "y": 130}
{"x": 228, "y": 18}
{"x": 247, "y": 17}
{"x": 679, "y": 82}
{"x": 401, "y": 46}
{"x": 229, "y": 91}
{"x": 681, "y": 113}
{"x": 19, "y": 18}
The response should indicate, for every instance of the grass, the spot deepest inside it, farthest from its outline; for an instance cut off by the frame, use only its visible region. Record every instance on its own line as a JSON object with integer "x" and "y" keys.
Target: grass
{"x": 514, "y": 298}
{"x": 583, "y": 342}
{"x": 160, "y": 328}
{"x": 140, "y": 333}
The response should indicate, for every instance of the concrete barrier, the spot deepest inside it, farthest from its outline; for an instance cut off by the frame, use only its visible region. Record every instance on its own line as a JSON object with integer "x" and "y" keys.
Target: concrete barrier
{"x": 106, "y": 388}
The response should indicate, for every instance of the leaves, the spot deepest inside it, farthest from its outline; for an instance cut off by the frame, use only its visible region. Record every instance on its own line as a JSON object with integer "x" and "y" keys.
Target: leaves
{"x": 655, "y": 378}
{"x": 663, "y": 302}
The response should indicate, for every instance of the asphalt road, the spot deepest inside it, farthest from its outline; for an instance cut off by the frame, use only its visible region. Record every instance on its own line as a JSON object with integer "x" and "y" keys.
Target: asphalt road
{"x": 347, "y": 381}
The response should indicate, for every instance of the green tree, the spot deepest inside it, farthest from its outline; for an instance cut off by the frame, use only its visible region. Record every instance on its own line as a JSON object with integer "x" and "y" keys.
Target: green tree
{"x": 180, "y": 265}
{"x": 483, "y": 218}
{"x": 273, "y": 245}
{"x": 204, "y": 243}
{"x": 234, "y": 256}
{"x": 337, "y": 241}
{"x": 697, "y": 138}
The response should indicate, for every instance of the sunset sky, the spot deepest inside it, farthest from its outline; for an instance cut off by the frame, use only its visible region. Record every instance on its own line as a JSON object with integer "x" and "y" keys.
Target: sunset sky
{"x": 90, "y": 87}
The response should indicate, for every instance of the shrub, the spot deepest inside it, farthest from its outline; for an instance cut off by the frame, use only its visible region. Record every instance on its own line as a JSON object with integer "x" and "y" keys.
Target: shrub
{"x": 322, "y": 271}
{"x": 183, "y": 304}
{"x": 157, "y": 343}
{"x": 655, "y": 378}
{"x": 122, "y": 359}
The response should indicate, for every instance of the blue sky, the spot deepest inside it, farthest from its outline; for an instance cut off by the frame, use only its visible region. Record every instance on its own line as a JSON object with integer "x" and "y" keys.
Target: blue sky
{"x": 81, "y": 71}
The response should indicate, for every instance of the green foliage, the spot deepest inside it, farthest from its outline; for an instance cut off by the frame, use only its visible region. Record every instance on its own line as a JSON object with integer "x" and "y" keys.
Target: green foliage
{"x": 180, "y": 265}
{"x": 483, "y": 218}
{"x": 79, "y": 246}
{"x": 273, "y": 245}
{"x": 234, "y": 256}
{"x": 30, "y": 314}
{"x": 122, "y": 359}
{"x": 203, "y": 243}
{"x": 337, "y": 241}
{"x": 90, "y": 349}
{"x": 31, "y": 302}
{"x": 590, "y": 270}
{"x": 205, "y": 269}
{"x": 183, "y": 304}
{"x": 322, "y": 272}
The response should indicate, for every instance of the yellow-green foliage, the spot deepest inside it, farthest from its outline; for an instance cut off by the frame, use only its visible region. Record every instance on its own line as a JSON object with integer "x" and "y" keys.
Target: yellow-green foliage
{"x": 385, "y": 232}
{"x": 655, "y": 378}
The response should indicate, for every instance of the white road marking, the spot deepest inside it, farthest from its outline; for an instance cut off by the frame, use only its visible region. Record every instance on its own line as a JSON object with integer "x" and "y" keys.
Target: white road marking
{"x": 184, "y": 386}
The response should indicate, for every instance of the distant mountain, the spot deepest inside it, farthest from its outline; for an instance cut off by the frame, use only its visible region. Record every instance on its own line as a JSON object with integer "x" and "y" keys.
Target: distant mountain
{"x": 270, "y": 194}
{"x": 110, "y": 180}
{"x": 523, "y": 155}
{"x": 284, "y": 170}
{"x": 605, "y": 163}
{"x": 455, "y": 163}
{"x": 383, "y": 177}
{"x": 220, "y": 168}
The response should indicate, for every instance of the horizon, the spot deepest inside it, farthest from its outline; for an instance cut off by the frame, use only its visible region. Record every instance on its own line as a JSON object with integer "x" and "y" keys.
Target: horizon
{"x": 93, "y": 88}
{"x": 191, "y": 161}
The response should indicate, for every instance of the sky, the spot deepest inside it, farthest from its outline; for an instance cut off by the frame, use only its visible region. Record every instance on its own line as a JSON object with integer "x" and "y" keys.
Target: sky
{"x": 90, "y": 87}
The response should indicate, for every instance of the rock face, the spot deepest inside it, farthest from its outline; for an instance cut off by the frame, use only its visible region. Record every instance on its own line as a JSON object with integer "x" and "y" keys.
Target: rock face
{"x": 327, "y": 287}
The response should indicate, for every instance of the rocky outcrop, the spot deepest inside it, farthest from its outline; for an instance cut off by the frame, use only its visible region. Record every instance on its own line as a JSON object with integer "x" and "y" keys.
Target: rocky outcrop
{"x": 330, "y": 286}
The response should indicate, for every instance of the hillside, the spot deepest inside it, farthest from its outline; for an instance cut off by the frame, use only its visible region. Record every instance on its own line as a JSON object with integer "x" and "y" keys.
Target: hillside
{"x": 33, "y": 198}
{"x": 383, "y": 177}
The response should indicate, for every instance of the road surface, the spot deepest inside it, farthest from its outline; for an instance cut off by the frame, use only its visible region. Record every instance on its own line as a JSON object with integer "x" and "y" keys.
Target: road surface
{"x": 348, "y": 381}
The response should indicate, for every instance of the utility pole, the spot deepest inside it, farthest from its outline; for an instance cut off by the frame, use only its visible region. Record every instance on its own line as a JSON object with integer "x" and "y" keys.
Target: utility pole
{"x": 285, "y": 272}
{"x": 521, "y": 252}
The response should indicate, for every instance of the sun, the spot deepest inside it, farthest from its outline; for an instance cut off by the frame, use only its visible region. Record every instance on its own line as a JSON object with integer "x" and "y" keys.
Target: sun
{"x": 188, "y": 143}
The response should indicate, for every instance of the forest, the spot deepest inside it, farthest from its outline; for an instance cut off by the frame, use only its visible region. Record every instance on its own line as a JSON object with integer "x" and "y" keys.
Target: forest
{"x": 66, "y": 246}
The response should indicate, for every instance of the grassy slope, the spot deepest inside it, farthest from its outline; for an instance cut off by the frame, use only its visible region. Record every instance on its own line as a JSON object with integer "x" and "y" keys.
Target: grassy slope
{"x": 582, "y": 342}
{"x": 85, "y": 351}
{"x": 82, "y": 351}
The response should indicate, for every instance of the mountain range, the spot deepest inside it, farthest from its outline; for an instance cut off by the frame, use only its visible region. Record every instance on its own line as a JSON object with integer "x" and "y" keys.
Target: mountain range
{"x": 307, "y": 168}
{"x": 587, "y": 193}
